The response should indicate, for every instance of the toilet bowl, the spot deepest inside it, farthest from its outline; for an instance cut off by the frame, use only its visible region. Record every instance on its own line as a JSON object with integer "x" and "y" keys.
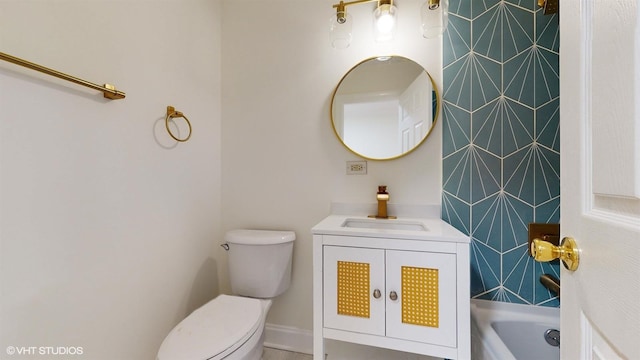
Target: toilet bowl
{"x": 227, "y": 327}
{"x": 231, "y": 327}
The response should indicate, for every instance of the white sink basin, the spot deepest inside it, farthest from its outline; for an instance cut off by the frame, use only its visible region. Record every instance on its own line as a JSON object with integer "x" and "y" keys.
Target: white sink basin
{"x": 391, "y": 224}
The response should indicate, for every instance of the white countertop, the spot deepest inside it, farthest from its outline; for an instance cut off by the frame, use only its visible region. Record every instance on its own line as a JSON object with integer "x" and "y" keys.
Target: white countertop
{"x": 436, "y": 229}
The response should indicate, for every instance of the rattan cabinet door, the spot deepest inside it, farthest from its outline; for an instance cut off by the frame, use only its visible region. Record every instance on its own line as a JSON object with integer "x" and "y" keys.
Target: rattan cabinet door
{"x": 421, "y": 296}
{"x": 351, "y": 278}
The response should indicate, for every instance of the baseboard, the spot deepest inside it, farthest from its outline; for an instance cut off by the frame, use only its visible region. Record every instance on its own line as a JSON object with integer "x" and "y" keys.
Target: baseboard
{"x": 288, "y": 338}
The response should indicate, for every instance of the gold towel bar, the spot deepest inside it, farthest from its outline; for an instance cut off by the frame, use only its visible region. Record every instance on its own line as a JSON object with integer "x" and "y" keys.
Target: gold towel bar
{"x": 171, "y": 114}
{"x": 108, "y": 90}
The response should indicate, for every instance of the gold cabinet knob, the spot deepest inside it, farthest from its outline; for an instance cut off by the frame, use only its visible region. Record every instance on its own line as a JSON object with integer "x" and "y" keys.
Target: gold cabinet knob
{"x": 568, "y": 252}
{"x": 393, "y": 296}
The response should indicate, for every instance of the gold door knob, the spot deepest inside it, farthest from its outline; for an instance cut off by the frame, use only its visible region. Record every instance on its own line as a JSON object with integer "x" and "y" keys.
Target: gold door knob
{"x": 568, "y": 252}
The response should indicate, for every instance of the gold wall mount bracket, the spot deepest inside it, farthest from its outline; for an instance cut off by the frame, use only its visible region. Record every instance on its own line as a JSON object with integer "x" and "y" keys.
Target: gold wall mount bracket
{"x": 172, "y": 113}
{"x": 549, "y": 6}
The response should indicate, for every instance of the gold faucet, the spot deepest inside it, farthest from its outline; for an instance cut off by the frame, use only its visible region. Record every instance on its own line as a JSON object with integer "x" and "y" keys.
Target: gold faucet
{"x": 382, "y": 196}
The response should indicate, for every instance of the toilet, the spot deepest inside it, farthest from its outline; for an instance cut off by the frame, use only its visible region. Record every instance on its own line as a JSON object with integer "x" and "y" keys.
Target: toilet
{"x": 231, "y": 327}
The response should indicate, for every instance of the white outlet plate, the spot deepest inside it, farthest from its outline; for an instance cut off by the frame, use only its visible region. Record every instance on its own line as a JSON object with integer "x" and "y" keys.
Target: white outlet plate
{"x": 357, "y": 167}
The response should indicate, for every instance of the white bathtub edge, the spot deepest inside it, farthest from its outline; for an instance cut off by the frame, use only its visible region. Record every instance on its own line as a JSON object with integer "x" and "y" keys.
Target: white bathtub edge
{"x": 484, "y": 312}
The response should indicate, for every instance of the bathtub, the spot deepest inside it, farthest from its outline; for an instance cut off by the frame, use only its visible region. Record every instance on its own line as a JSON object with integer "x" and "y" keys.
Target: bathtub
{"x": 505, "y": 331}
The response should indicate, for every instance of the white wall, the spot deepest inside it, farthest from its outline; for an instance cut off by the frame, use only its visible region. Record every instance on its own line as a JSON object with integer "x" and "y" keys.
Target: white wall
{"x": 282, "y": 165}
{"x": 107, "y": 226}
{"x": 108, "y": 230}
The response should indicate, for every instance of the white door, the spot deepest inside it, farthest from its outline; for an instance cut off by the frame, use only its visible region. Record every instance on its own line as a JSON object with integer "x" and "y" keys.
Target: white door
{"x": 415, "y": 112}
{"x": 600, "y": 166}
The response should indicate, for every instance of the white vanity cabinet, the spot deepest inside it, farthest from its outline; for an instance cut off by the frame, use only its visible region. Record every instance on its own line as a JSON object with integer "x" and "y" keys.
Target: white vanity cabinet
{"x": 402, "y": 290}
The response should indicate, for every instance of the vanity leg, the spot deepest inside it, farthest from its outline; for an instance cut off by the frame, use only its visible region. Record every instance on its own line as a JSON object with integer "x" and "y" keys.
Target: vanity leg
{"x": 318, "y": 348}
{"x": 318, "y": 339}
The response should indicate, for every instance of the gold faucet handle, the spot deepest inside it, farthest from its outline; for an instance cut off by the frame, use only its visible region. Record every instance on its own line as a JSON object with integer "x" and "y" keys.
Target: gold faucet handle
{"x": 568, "y": 252}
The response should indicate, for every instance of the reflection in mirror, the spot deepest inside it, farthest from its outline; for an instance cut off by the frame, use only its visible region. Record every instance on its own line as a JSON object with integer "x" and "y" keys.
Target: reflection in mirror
{"x": 384, "y": 108}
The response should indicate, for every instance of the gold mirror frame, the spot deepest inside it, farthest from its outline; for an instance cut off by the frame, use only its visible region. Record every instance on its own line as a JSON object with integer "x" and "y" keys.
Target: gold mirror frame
{"x": 399, "y": 60}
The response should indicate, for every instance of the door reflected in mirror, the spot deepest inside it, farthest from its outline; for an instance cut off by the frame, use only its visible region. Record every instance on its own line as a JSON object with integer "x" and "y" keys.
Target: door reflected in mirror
{"x": 384, "y": 108}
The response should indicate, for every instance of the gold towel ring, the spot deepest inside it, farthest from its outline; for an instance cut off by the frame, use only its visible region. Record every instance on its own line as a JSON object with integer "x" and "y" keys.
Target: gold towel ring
{"x": 172, "y": 114}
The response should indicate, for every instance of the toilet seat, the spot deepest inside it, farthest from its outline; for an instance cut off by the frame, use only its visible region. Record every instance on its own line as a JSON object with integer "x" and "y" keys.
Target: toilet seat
{"x": 214, "y": 330}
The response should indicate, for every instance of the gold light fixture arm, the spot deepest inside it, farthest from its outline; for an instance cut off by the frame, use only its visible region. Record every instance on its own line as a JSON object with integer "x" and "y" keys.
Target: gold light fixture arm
{"x": 341, "y": 7}
{"x": 109, "y": 91}
{"x": 568, "y": 252}
{"x": 344, "y": 4}
{"x": 433, "y": 4}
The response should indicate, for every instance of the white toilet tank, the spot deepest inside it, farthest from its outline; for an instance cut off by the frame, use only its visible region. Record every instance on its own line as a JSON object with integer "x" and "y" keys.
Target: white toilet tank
{"x": 260, "y": 262}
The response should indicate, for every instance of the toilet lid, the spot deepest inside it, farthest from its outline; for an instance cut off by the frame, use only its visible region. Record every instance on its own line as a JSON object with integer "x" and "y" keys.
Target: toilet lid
{"x": 220, "y": 326}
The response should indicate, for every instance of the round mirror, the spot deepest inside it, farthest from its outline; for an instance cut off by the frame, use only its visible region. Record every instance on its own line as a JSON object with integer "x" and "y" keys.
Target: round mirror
{"x": 384, "y": 107}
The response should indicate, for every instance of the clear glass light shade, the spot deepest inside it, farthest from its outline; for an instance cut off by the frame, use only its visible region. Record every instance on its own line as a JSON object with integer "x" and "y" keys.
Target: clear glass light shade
{"x": 384, "y": 22}
{"x": 340, "y": 30}
{"x": 434, "y": 22}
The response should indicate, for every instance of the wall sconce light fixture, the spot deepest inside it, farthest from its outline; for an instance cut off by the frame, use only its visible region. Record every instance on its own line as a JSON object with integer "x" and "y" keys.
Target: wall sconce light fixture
{"x": 340, "y": 27}
{"x": 434, "y": 19}
{"x": 384, "y": 21}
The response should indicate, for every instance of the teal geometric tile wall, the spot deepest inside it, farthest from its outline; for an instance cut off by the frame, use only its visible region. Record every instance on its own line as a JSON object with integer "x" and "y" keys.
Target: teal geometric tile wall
{"x": 501, "y": 150}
